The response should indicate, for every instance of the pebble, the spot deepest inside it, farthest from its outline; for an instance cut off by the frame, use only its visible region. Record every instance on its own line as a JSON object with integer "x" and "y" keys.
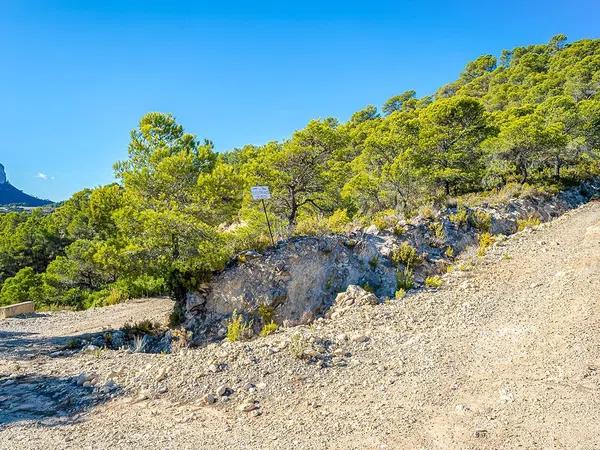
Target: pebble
{"x": 223, "y": 391}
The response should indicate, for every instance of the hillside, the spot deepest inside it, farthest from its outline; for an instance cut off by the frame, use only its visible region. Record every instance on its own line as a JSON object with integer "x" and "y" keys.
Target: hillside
{"x": 10, "y": 195}
{"x": 522, "y": 124}
{"x": 505, "y": 355}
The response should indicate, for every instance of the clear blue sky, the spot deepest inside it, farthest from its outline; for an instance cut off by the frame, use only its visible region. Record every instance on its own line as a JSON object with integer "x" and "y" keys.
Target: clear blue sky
{"x": 77, "y": 75}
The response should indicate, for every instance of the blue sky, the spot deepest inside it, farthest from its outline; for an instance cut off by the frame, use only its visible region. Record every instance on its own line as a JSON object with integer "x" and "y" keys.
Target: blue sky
{"x": 76, "y": 76}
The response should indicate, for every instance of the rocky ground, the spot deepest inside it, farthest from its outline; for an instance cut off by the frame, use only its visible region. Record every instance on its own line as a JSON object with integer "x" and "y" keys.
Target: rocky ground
{"x": 506, "y": 354}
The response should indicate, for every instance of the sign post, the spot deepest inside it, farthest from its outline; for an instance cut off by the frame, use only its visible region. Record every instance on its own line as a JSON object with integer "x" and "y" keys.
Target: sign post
{"x": 262, "y": 193}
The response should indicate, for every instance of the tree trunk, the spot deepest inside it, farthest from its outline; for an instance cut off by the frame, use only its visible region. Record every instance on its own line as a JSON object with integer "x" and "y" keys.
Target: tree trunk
{"x": 557, "y": 167}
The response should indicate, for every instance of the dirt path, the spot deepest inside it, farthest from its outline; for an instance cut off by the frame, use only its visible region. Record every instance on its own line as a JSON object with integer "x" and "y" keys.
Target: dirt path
{"x": 44, "y": 332}
{"x": 505, "y": 355}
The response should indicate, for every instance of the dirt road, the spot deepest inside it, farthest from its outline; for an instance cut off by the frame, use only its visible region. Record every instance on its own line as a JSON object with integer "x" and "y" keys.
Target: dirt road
{"x": 505, "y": 355}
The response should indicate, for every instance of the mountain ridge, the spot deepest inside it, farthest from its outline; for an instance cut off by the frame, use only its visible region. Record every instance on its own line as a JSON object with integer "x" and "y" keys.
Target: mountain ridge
{"x": 10, "y": 195}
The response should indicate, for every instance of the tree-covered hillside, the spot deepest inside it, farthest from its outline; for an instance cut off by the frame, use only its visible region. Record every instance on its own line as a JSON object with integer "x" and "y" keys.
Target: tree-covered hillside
{"x": 529, "y": 119}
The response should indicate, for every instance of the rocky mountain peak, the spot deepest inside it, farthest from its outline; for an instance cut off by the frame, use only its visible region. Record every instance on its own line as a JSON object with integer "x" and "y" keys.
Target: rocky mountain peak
{"x": 2, "y": 175}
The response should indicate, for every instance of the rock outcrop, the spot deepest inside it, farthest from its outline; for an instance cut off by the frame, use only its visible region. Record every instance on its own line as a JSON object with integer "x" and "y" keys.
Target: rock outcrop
{"x": 299, "y": 278}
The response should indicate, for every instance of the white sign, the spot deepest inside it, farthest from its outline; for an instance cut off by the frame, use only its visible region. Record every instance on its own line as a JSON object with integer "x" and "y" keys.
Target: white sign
{"x": 260, "y": 192}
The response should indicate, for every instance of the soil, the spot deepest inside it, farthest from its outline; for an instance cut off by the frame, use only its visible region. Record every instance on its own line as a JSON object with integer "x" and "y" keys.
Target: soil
{"x": 506, "y": 354}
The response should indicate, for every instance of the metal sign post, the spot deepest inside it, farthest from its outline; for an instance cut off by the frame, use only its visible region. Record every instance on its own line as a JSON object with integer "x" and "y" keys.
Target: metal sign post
{"x": 262, "y": 193}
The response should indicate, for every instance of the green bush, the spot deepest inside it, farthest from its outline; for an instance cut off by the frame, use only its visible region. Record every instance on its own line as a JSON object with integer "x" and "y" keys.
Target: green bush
{"x": 384, "y": 220}
{"x": 485, "y": 241}
{"x": 531, "y": 221}
{"x": 26, "y": 285}
{"x": 405, "y": 254}
{"x": 437, "y": 228}
{"x": 433, "y": 282}
{"x": 404, "y": 279}
{"x": 238, "y": 328}
{"x": 460, "y": 217}
{"x": 482, "y": 221}
{"x": 268, "y": 328}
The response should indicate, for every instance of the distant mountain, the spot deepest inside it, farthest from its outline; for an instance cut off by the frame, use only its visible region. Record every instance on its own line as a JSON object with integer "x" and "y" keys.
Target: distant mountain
{"x": 10, "y": 195}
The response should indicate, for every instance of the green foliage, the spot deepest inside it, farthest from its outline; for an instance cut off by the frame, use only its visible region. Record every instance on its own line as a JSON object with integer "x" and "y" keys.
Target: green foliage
{"x": 485, "y": 241}
{"x": 521, "y": 124}
{"x": 528, "y": 222}
{"x": 433, "y": 282}
{"x": 268, "y": 329}
{"x": 405, "y": 279}
{"x": 460, "y": 217}
{"x": 438, "y": 230}
{"x": 405, "y": 254}
{"x": 400, "y": 294}
{"x": 298, "y": 345}
{"x": 24, "y": 286}
{"x": 266, "y": 313}
{"x": 385, "y": 219}
{"x": 482, "y": 221}
{"x": 238, "y": 328}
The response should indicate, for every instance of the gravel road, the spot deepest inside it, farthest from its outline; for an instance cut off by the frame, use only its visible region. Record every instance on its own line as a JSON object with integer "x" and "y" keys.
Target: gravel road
{"x": 505, "y": 355}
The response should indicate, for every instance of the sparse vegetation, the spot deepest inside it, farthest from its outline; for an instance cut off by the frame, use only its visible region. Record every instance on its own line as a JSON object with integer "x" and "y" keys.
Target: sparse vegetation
{"x": 400, "y": 294}
{"x": 405, "y": 279}
{"x": 268, "y": 329}
{"x": 486, "y": 240}
{"x": 433, "y": 282}
{"x": 238, "y": 328}
{"x": 438, "y": 230}
{"x": 460, "y": 217}
{"x": 531, "y": 221}
{"x": 482, "y": 221}
{"x": 405, "y": 254}
{"x": 298, "y": 345}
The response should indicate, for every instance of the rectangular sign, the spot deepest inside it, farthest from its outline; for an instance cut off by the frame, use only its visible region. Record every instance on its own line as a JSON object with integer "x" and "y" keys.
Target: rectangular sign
{"x": 260, "y": 192}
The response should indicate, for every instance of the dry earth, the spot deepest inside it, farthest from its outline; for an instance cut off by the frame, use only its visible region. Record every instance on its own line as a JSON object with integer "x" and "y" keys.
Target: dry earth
{"x": 505, "y": 355}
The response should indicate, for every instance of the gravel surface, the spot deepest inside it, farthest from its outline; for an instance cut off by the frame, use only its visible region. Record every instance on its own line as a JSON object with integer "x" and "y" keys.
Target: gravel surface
{"x": 505, "y": 355}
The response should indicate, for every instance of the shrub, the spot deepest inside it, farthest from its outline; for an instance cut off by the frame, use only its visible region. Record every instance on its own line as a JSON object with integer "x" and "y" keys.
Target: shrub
{"x": 268, "y": 328}
{"x": 338, "y": 222}
{"x": 400, "y": 294}
{"x": 311, "y": 226}
{"x": 485, "y": 241}
{"x": 528, "y": 222}
{"x": 433, "y": 282}
{"x": 399, "y": 230}
{"x": 437, "y": 228}
{"x": 298, "y": 345}
{"x": 449, "y": 252}
{"x": 405, "y": 254}
{"x": 20, "y": 288}
{"x": 374, "y": 262}
{"x": 238, "y": 328}
{"x": 385, "y": 219}
{"x": 266, "y": 313}
{"x": 427, "y": 212}
{"x": 405, "y": 279}
{"x": 460, "y": 217}
{"x": 482, "y": 221}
